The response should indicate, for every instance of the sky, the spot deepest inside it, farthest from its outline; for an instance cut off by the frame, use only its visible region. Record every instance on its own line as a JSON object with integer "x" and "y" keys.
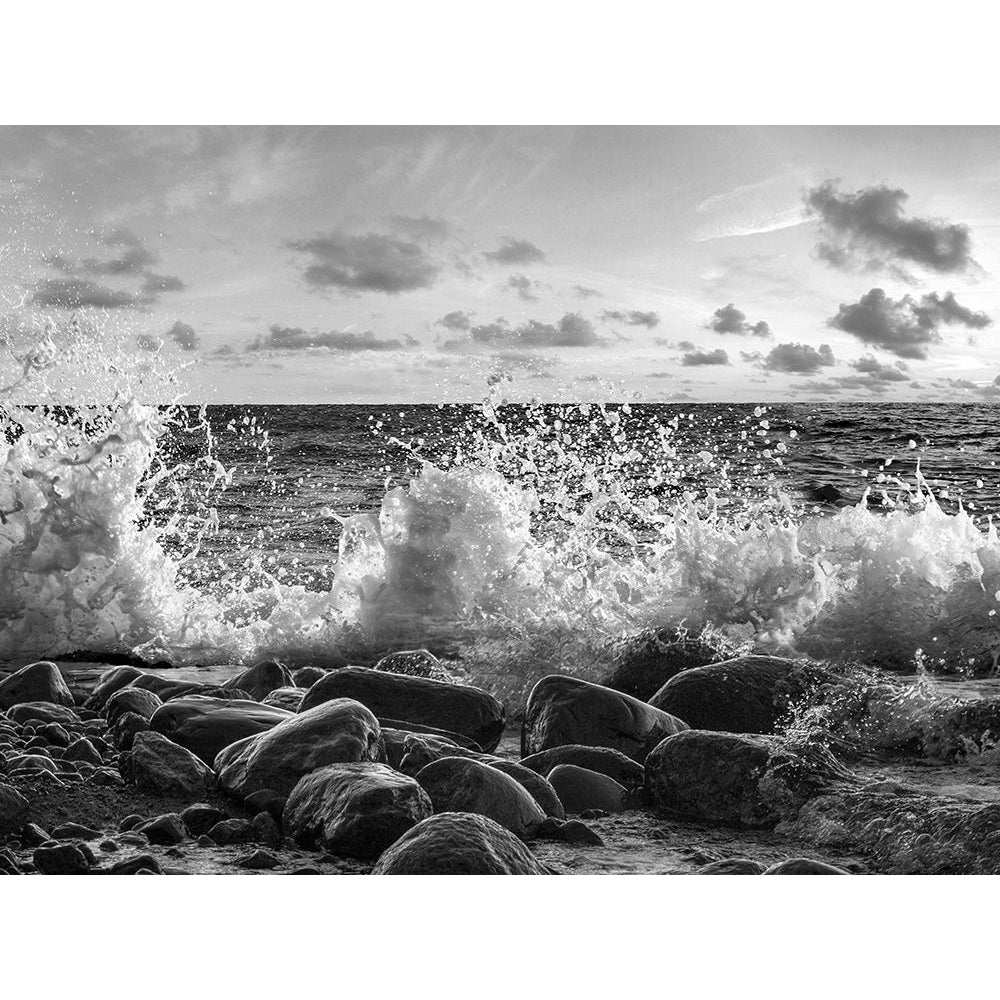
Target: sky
{"x": 368, "y": 264}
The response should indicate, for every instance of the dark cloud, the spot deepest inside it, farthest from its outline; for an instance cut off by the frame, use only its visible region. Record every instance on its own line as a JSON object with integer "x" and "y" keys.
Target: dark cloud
{"x": 132, "y": 258}
{"x": 907, "y": 326}
{"x": 633, "y": 317}
{"x": 154, "y": 285}
{"x": 287, "y": 338}
{"x": 81, "y": 293}
{"x": 582, "y": 292}
{"x": 729, "y": 319}
{"x": 803, "y": 359}
{"x": 876, "y": 371}
{"x": 457, "y": 321}
{"x": 183, "y": 334}
{"x": 525, "y": 287}
{"x": 422, "y": 228}
{"x": 513, "y": 251}
{"x": 869, "y": 229}
{"x": 369, "y": 263}
{"x": 571, "y": 331}
{"x": 694, "y": 358}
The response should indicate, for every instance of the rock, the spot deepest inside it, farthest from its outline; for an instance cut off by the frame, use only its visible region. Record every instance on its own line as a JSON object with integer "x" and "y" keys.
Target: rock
{"x": 627, "y": 772}
{"x": 126, "y": 728}
{"x": 108, "y": 683}
{"x": 42, "y": 711}
{"x": 260, "y": 680}
{"x": 168, "y": 689}
{"x": 733, "y": 866}
{"x": 565, "y": 710}
{"x": 74, "y": 831}
{"x": 803, "y": 866}
{"x": 207, "y": 725}
{"x": 747, "y": 695}
{"x": 742, "y": 779}
{"x": 264, "y": 830}
{"x": 573, "y": 831}
{"x": 13, "y": 809}
{"x": 55, "y": 735}
{"x": 157, "y": 765}
{"x": 83, "y": 750}
{"x": 579, "y": 789}
{"x": 164, "y": 830}
{"x": 200, "y": 818}
{"x": 136, "y": 865}
{"x": 454, "y": 707}
{"x": 8, "y": 863}
{"x": 335, "y": 732}
{"x": 267, "y": 800}
{"x": 31, "y": 762}
{"x": 409, "y": 752}
{"x": 130, "y": 822}
{"x": 417, "y": 729}
{"x": 458, "y": 844}
{"x": 534, "y": 784}
{"x": 458, "y": 784}
{"x": 60, "y": 859}
{"x": 39, "y": 681}
{"x": 642, "y": 663}
{"x": 288, "y": 698}
{"x": 305, "y": 677}
{"x": 258, "y": 860}
{"x": 414, "y": 663}
{"x": 31, "y": 835}
{"x": 354, "y": 810}
{"x": 131, "y": 699}
{"x": 230, "y": 831}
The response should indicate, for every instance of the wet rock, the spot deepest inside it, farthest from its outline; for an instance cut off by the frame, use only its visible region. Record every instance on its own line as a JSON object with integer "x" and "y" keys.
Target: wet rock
{"x": 39, "y": 681}
{"x": 60, "y": 859}
{"x": 13, "y": 809}
{"x": 157, "y": 765}
{"x": 747, "y": 780}
{"x": 83, "y": 750}
{"x": 804, "y": 866}
{"x": 457, "y": 708}
{"x": 200, "y": 818}
{"x": 32, "y": 835}
{"x": 627, "y": 772}
{"x": 642, "y": 663}
{"x": 133, "y": 839}
{"x": 31, "y": 762}
{"x": 126, "y": 728}
{"x": 733, "y": 866}
{"x": 305, "y": 677}
{"x": 109, "y": 846}
{"x": 264, "y": 830}
{"x": 335, "y": 732}
{"x": 170, "y": 688}
{"x": 74, "y": 831}
{"x": 409, "y": 752}
{"x": 573, "y": 831}
{"x": 164, "y": 830}
{"x": 131, "y": 699}
{"x": 458, "y": 784}
{"x": 534, "y": 784}
{"x": 749, "y": 694}
{"x": 258, "y": 860}
{"x": 108, "y": 683}
{"x": 8, "y": 863}
{"x": 458, "y": 844}
{"x": 260, "y": 680}
{"x": 55, "y": 735}
{"x": 130, "y": 822}
{"x": 42, "y": 711}
{"x": 354, "y": 810}
{"x": 136, "y": 865}
{"x": 415, "y": 663}
{"x": 207, "y": 725}
{"x": 267, "y": 800}
{"x": 230, "y": 831}
{"x": 580, "y": 790}
{"x": 288, "y": 698}
{"x": 305, "y": 870}
{"x": 565, "y": 710}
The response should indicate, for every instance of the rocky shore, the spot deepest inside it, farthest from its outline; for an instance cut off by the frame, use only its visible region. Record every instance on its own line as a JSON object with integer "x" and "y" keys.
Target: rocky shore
{"x": 679, "y": 761}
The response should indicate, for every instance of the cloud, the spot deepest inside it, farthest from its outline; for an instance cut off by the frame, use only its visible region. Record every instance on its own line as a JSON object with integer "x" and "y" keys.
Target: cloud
{"x": 571, "y": 331}
{"x": 869, "y": 229}
{"x": 633, "y": 317}
{"x": 423, "y": 228}
{"x": 693, "y": 358}
{"x": 287, "y": 338}
{"x": 907, "y": 326}
{"x": 582, "y": 292}
{"x": 876, "y": 371}
{"x": 803, "y": 359}
{"x": 154, "y": 285}
{"x": 457, "y": 321}
{"x": 183, "y": 334}
{"x": 369, "y": 263}
{"x": 81, "y": 293}
{"x": 729, "y": 319}
{"x": 512, "y": 251}
{"x": 525, "y": 287}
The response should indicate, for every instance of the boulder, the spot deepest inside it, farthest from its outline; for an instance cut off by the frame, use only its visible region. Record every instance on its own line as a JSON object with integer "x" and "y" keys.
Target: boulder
{"x": 200, "y": 817}
{"x": 334, "y": 732}
{"x": 230, "y": 831}
{"x": 41, "y": 711}
{"x": 747, "y": 780}
{"x": 158, "y": 765}
{"x": 804, "y": 866}
{"x": 414, "y": 663}
{"x": 750, "y": 694}
{"x": 642, "y": 663}
{"x": 39, "y": 681}
{"x": 457, "y": 708}
{"x": 458, "y": 844}
{"x": 164, "y": 830}
{"x": 126, "y": 728}
{"x": 169, "y": 688}
{"x": 409, "y": 752}
{"x": 354, "y": 810}
{"x": 305, "y": 677}
{"x": 13, "y": 809}
{"x": 207, "y": 725}
{"x": 108, "y": 683}
{"x": 458, "y": 784}
{"x": 61, "y": 859}
{"x": 288, "y": 698}
{"x": 84, "y": 751}
{"x": 733, "y": 866}
{"x": 579, "y": 789}
{"x": 604, "y": 760}
{"x": 260, "y": 680}
{"x": 565, "y": 710}
{"x": 533, "y": 783}
{"x": 131, "y": 699}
